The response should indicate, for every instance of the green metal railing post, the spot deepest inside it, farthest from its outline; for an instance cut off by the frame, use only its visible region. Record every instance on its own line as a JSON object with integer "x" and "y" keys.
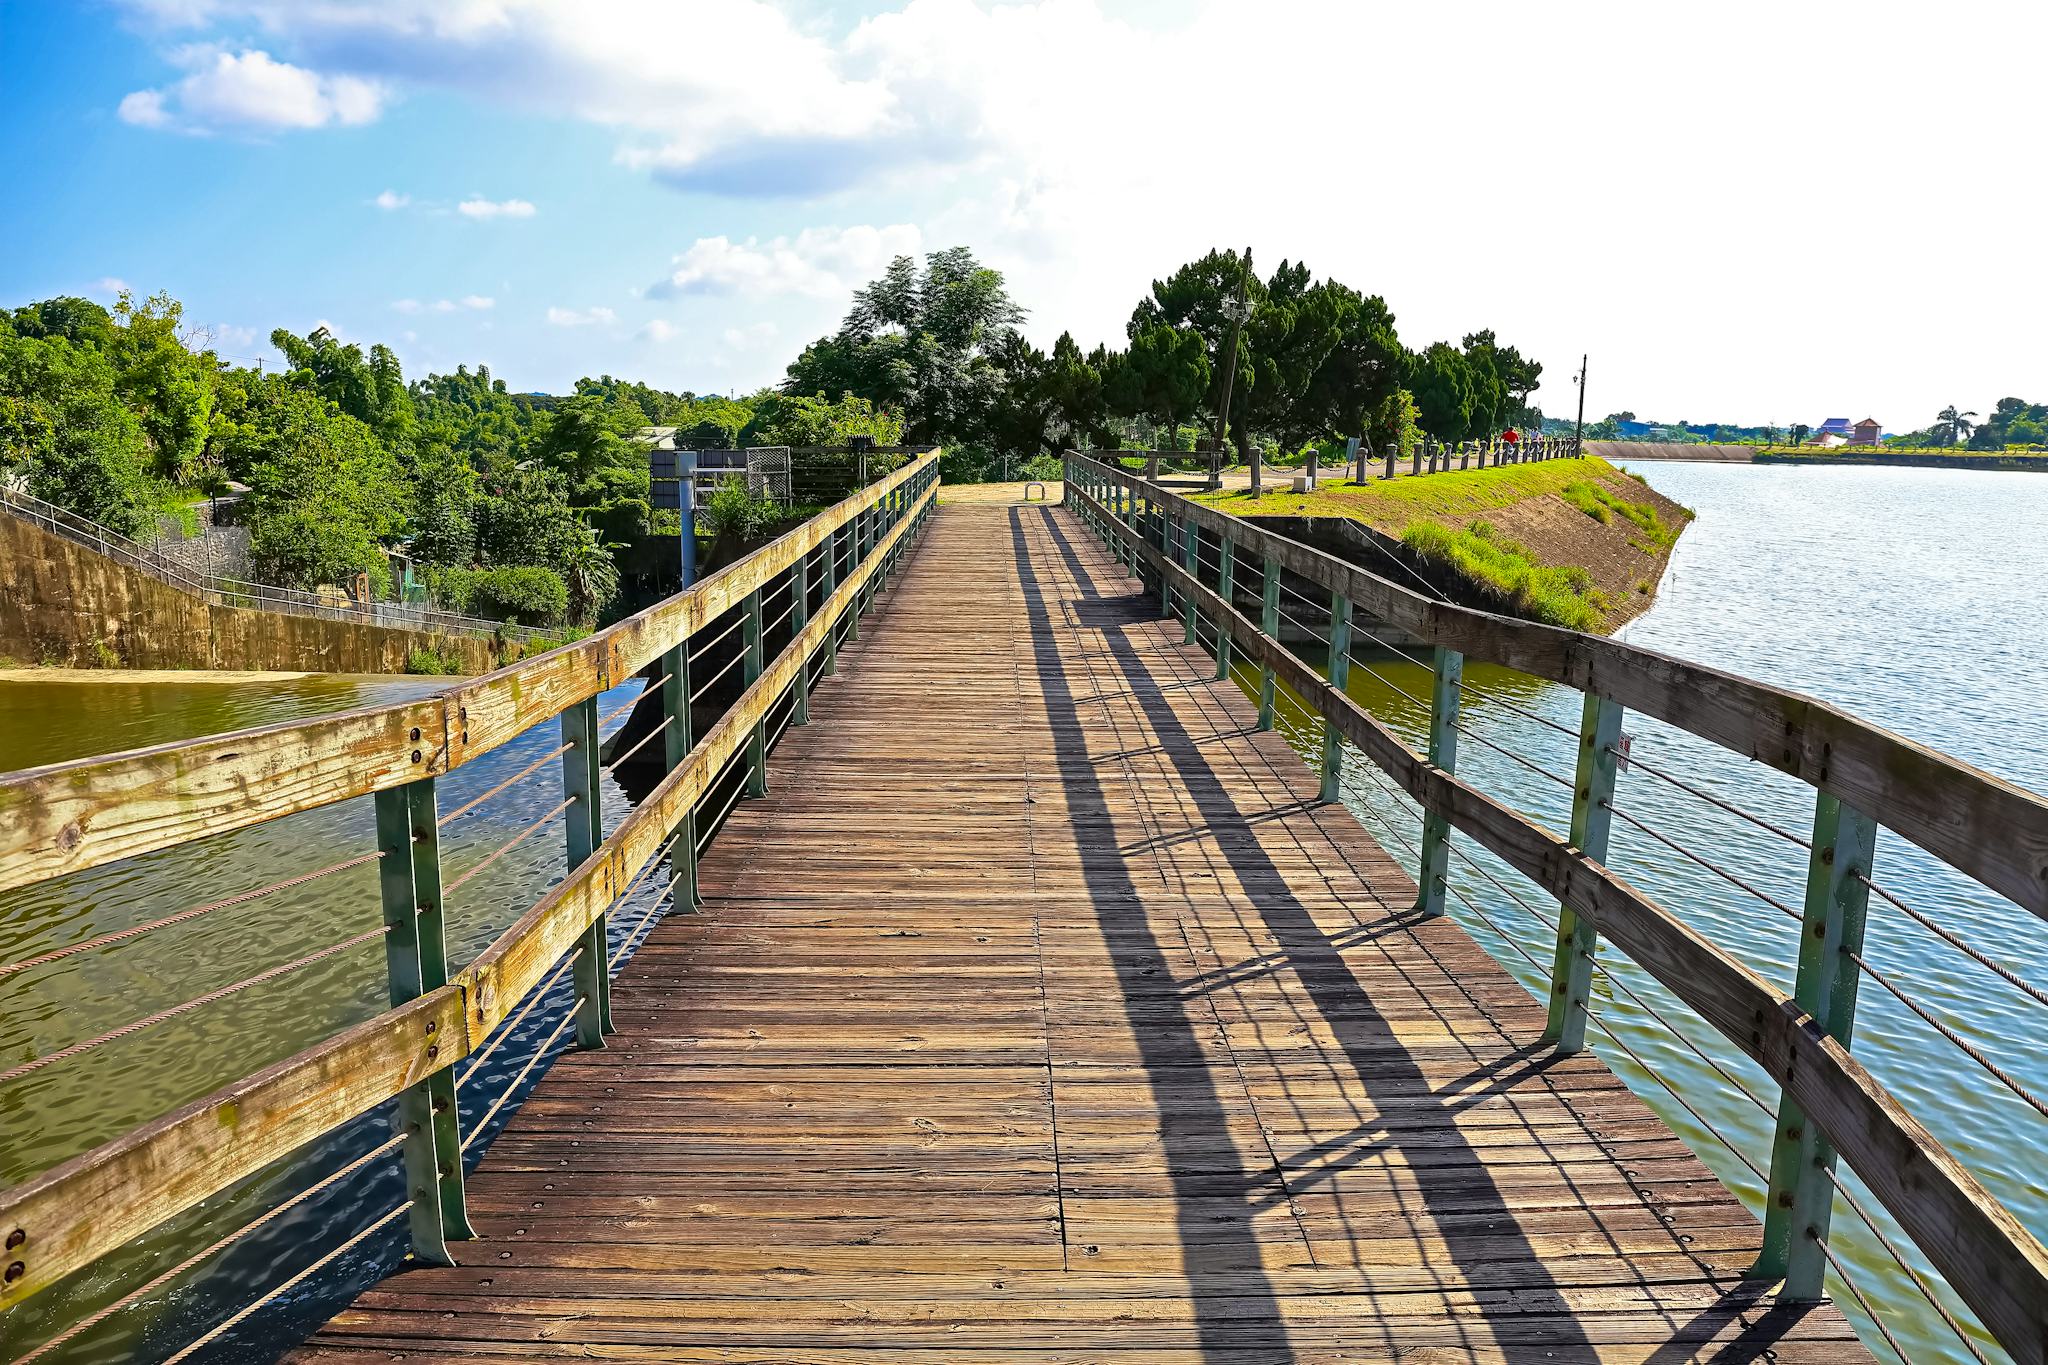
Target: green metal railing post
{"x": 1339, "y": 674}
{"x": 592, "y": 973}
{"x": 415, "y": 962}
{"x": 1802, "y": 1190}
{"x": 757, "y": 740}
{"x": 799, "y": 617}
{"x": 831, "y": 586}
{"x": 678, "y": 741}
{"x": 1191, "y": 560}
{"x": 1269, "y": 624}
{"x": 1434, "y": 865}
{"x": 1571, "y": 967}
{"x": 1133, "y": 561}
{"x": 1226, "y": 584}
{"x": 1165, "y": 581}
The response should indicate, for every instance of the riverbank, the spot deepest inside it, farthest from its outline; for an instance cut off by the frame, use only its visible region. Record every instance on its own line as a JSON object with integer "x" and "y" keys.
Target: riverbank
{"x": 1576, "y": 543}
{"x": 2008, "y": 460}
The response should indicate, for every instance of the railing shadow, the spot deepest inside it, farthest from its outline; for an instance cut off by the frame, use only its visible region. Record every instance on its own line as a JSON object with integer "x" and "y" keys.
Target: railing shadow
{"x": 1462, "y": 1202}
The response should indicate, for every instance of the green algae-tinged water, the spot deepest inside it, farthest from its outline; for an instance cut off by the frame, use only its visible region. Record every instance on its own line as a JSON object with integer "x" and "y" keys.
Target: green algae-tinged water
{"x": 1911, "y": 597}
{"x": 59, "y": 1111}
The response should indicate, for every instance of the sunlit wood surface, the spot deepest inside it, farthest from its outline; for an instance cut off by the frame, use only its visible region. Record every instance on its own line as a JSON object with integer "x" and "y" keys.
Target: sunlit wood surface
{"x": 1039, "y": 1014}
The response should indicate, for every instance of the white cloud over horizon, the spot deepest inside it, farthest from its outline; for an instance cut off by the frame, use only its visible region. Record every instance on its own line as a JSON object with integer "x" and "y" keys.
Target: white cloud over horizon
{"x": 1650, "y": 187}
{"x": 579, "y": 317}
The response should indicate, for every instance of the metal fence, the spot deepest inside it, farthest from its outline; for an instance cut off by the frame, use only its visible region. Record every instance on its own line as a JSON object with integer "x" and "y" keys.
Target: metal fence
{"x": 235, "y": 592}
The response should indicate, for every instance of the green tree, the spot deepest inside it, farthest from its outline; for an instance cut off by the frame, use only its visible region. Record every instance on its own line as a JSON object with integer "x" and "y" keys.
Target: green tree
{"x": 325, "y": 498}
{"x": 66, "y": 435}
{"x": 169, "y": 388}
{"x": 1951, "y": 427}
{"x": 589, "y": 576}
{"x": 798, "y": 420}
{"x": 1441, "y": 381}
{"x": 1393, "y": 427}
{"x": 370, "y": 388}
{"x": 1164, "y": 377}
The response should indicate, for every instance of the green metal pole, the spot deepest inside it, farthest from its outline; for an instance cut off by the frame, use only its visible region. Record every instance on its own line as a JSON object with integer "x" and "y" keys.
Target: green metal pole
{"x": 592, "y": 973}
{"x": 1191, "y": 560}
{"x": 757, "y": 741}
{"x": 1226, "y": 584}
{"x": 831, "y": 586}
{"x": 1802, "y": 1190}
{"x": 1165, "y": 583}
{"x": 415, "y": 962}
{"x": 800, "y": 615}
{"x": 1571, "y": 967}
{"x": 1269, "y": 625}
{"x": 1444, "y": 703}
{"x": 675, "y": 704}
{"x": 1339, "y": 674}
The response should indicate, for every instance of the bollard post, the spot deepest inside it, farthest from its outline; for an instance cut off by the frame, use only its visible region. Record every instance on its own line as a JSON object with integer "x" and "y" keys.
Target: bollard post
{"x": 1339, "y": 674}
{"x": 1802, "y": 1190}
{"x": 416, "y": 962}
{"x": 750, "y": 670}
{"x": 592, "y": 973}
{"x": 1269, "y": 623}
{"x": 1226, "y": 561}
{"x": 1571, "y": 969}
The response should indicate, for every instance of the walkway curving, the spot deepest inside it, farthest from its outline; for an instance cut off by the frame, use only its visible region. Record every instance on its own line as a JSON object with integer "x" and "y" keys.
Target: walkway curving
{"x": 1040, "y": 1014}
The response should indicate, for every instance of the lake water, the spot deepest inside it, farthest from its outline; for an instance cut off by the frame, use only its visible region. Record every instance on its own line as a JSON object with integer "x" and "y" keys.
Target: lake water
{"x": 1907, "y": 596}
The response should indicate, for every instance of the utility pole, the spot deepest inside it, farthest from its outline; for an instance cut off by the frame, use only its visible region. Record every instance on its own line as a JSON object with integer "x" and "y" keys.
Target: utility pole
{"x": 1237, "y": 315}
{"x": 1579, "y": 430}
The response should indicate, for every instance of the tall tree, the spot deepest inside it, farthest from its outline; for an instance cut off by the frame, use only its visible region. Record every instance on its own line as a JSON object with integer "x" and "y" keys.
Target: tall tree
{"x": 1441, "y": 380}
{"x": 1164, "y": 377}
{"x": 1951, "y": 427}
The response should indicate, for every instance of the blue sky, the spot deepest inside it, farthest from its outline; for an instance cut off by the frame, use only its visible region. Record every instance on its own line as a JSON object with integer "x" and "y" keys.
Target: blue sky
{"x": 1756, "y": 213}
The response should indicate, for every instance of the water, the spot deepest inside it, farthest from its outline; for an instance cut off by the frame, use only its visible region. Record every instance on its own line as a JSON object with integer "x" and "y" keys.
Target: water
{"x": 1907, "y": 597}
{"x": 71, "y": 1106}
{"x": 1904, "y": 595}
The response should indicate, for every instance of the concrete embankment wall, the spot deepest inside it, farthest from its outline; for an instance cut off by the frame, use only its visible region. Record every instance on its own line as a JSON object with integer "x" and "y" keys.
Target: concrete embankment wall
{"x": 62, "y": 603}
{"x": 1615, "y": 452}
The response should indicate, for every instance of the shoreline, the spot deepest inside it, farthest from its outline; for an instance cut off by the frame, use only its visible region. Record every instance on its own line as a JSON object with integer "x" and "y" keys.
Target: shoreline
{"x": 221, "y": 676}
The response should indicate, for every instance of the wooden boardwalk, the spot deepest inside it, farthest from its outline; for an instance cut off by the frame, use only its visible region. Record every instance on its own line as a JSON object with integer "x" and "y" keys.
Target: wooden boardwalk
{"x": 1040, "y": 1014}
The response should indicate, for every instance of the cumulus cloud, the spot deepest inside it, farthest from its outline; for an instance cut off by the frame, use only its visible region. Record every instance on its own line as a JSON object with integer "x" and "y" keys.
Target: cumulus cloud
{"x": 251, "y": 91}
{"x": 478, "y": 301}
{"x": 752, "y": 337}
{"x": 473, "y": 302}
{"x": 109, "y": 285}
{"x": 479, "y": 207}
{"x": 659, "y": 330}
{"x": 579, "y": 317}
{"x": 391, "y": 200}
{"x": 820, "y": 262}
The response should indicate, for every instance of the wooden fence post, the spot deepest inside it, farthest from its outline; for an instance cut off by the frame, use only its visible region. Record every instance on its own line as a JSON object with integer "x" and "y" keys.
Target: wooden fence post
{"x": 1571, "y": 968}
{"x": 757, "y": 740}
{"x": 592, "y": 973}
{"x": 1339, "y": 673}
{"x": 415, "y": 962}
{"x": 1446, "y": 701}
{"x": 1226, "y": 564}
{"x": 1802, "y": 1189}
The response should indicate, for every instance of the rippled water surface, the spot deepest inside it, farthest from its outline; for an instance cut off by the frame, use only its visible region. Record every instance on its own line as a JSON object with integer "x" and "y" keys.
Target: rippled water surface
{"x": 1907, "y": 596}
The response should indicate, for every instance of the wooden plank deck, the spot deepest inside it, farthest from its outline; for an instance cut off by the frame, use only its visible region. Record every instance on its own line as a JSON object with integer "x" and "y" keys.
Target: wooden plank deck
{"x": 1040, "y": 1014}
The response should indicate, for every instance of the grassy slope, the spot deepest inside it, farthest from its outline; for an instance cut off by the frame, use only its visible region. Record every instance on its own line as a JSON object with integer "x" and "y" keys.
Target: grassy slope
{"x": 1443, "y": 517}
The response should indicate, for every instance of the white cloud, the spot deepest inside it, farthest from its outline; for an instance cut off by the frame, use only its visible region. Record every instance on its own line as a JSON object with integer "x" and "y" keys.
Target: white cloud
{"x": 250, "y": 91}
{"x": 659, "y": 330}
{"x": 478, "y": 302}
{"x": 406, "y": 306}
{"x": 391, "y": 200}
{"x": 821, "y": 262}
{"x": 752, "y": 337}
{"x": 480, "y": 207}
{"x": 583, "y": 317}
{"x": 109, "y": 285}
{"x": 473, "y": 302}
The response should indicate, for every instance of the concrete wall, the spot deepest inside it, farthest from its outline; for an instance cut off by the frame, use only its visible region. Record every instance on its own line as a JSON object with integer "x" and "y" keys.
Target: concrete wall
{"x": 62, "y": 602}
{"x": 1615, "y": 452}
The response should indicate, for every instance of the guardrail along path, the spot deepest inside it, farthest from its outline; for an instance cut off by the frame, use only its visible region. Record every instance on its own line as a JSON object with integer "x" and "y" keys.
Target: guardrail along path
{"x": 1041, "y": 1011}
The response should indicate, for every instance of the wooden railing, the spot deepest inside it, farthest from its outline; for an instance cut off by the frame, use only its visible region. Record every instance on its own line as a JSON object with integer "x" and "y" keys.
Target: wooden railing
{"x": 62, "y": 819}
{"x": 1862, "y": 776}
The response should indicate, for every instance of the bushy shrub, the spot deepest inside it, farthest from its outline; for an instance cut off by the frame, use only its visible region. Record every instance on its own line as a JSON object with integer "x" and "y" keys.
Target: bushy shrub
{"x": 1560, "y": 596}
{"x": 734, "y": 513}
{"x": 524, "y": 593}
{"x": 1044, "y": 468}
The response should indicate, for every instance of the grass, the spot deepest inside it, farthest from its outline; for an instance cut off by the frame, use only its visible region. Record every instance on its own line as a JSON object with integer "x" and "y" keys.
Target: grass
{"x": 432, "y": 662}
{"x": 1558, "y": 596}
{"x": 1603, "y": 505}
{"x": 1455, "y": 495}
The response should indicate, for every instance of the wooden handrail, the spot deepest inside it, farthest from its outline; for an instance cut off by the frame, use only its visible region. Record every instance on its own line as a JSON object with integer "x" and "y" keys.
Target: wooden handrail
{"x": 66, "y": 817}
{"x": 1992, "y": 830}
{"x": 78, "y": 1211}
{"x": 1990, "y": 1259}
